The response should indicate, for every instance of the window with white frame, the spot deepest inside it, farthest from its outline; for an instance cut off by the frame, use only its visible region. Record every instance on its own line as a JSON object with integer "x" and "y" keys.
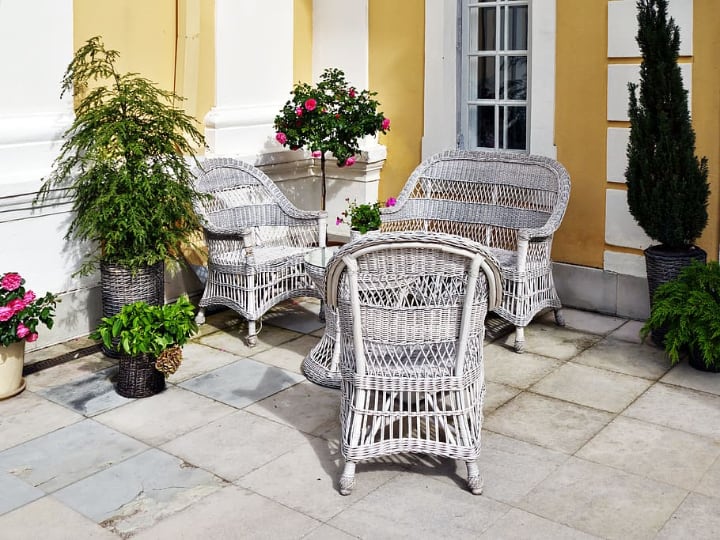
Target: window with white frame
{"x": 493, "y": 95}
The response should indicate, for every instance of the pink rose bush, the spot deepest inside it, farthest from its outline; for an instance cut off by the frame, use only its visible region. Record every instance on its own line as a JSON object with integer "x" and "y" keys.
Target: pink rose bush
{"x": 329, "y": 117}
{"x": 363, "y": 217}
{"x": 21, "y": 311}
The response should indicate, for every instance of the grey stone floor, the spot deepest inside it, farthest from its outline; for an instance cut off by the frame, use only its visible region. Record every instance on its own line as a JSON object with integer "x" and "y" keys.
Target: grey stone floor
{"x": 589, "y": 434}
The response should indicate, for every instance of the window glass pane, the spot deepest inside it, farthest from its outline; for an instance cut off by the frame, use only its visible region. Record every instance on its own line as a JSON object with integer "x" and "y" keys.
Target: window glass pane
{"x": 518, "y": 28}
{"x": 516, "y": 77}
{"x": 482, "y": 29}
{"x": 516, "y": 128}
{"x": 481, "y": 77}
{"x": 485, "y": 126}
{"x": 501, "y": 125}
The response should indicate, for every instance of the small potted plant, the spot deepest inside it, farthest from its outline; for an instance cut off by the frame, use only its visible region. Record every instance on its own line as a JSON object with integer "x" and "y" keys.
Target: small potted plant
{"x": 363, "y": 217}
{"x": 21, "y": 311}
{"x": 329, "y": 117}
{"x": 148, "y": 339}
{"x": 687, "y": 308}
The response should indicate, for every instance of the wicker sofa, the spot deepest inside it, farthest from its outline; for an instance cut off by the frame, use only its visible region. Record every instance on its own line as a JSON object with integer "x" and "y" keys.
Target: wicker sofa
{"x": 510, "y": 202}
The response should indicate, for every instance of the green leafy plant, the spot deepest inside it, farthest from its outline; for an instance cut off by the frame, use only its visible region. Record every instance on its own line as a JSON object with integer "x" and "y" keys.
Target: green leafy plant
{"x": 688, "y": 308}
{"x": 364, "y": 217}
{"x": 667, "y": 186}
{"x": 140, "y": 328}
{"x": 123, "y": 164}
{"x": 329, "y": 117}
{"x": 21, "y": 311}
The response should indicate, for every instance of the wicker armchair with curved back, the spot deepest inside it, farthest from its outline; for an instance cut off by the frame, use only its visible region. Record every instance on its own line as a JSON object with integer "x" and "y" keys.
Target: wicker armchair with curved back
{"x": 512, "y": 203}
{"x": 256, "y": 240}
{"x": 411, "y": 308}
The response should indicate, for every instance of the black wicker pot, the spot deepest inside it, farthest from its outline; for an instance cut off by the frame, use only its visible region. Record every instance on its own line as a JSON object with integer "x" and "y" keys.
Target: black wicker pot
{"x": 697, "y": 361}
{"x": 138, "y": 377}
{"x": 663, "y": 265}
{"x": 122, "y": 286}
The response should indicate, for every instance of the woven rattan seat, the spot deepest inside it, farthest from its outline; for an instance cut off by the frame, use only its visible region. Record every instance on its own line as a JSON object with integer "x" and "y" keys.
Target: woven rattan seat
{"x": 411, "y": 309}
{"x": 512, "y": 203}
{"x": 256, "y": 240}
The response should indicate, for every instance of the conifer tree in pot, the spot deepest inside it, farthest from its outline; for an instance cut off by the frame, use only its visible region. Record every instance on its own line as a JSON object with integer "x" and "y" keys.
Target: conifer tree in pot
{"x": 667, "y": 187}
{"x": 123, "y": 164}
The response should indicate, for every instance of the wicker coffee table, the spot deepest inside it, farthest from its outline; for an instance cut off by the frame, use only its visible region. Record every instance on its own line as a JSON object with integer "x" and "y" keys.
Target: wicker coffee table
{"x": 321, "y": 365}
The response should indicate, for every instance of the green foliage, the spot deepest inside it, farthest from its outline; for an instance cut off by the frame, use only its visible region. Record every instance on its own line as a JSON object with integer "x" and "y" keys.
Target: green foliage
{"x": 688, "y": 307}
{"x": 364, "y": 217}
{"x": 331, "y": 116}
{"x": 667, "y": 184}
{"x": 146, "y": 329}
{"x": 123, "y": 163}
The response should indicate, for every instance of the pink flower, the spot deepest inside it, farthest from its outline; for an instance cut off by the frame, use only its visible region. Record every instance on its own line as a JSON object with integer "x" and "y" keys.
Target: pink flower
{"x": 351, "y": 93}
{"x": 350, "y": 161}
{"x": 32, "y": 337}
{"x": 390, "y": 202}
{"x": 317, "y": 154}
{"x": 385, "y": 124}
{"x": 6, "y": 313}
{"x": 338, "y": 221}
{"x": 29, "y": 297}
{"x": 299, "y": 111}
{"x": 11, "y": 281}
{"x": 16, "y": 304}
{"x": 22, "y": 331}
{"x": 310, "y": 104}
{"x": 281, "y": 137}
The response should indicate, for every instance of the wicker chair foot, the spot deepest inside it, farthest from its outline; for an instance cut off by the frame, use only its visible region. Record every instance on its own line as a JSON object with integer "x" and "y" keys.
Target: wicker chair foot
{"x": 251, "y": 341}
{"x": 347, "y": 480}
{"x": 200, "y": 317}
{"x": 475, "y": 481}
{"x": 559, "y": 317}
{"x": 519, "y": 339}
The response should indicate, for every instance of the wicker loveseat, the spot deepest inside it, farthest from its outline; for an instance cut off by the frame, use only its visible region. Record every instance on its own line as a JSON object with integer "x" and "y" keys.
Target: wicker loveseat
{"x": 256, "y": 241}
{"x": 412, "y": 308}
{"x": 512, "y": 203}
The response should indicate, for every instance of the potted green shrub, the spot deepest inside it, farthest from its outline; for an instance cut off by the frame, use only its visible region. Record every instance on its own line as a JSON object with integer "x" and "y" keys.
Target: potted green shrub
{"x": 688, "y": 309}
{"x": 331, "y": 116}
{"x": 149, "y": 340}
{"x": 363, "y": 217}
{"x": 123, "y": 163}
{"x": 667, "y": 188}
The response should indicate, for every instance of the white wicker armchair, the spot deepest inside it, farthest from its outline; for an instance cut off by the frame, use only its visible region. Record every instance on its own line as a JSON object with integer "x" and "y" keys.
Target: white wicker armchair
{"x": 256, "y": 241}
{"x": 411, "y": 309}
{"x": 512, "y": 203}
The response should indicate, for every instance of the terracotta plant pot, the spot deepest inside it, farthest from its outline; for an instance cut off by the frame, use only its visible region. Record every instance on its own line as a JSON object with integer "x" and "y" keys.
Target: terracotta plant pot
{"x": 12, "y": 359}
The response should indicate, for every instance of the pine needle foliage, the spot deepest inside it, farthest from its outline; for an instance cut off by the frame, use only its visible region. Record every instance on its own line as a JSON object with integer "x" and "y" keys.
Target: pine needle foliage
{"x": 688, "y": 307}
{"x": 667, "y": 186}
{"x": 123, "y": 163}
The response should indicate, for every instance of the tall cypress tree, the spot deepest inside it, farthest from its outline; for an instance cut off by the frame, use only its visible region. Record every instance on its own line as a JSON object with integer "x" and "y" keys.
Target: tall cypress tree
{"x": 667, "y": 186}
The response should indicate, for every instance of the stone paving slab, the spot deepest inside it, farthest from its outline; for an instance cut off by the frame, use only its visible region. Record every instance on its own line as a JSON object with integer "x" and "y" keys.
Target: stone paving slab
{"x": 628, "y": 358}
{"x": 496, "y": 395}
{"x": 688, "y": 377}
{"x": 288, "y": 355}
{"x": 234, "y": 341}
{"x": 15, "y": 493}
{"x": 697, "y": 518}
{"x": 503, "y": 365}
{"x": 585, "y": 321}
{"x": 520, "y": 524}
{"x": 710, "y": 484}
{"x": 630, "y": 331}
{"x": 554, "y": 341}
{"x": 139, "y": 491}
{"x": 199, "y": 359}
{"x": 69, "y": 372}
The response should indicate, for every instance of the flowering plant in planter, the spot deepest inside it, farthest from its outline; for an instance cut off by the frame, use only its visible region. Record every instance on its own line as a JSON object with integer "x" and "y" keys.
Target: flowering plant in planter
{"x": 329, "y": 117}
{"x": 363, "y": 217}
{"x": 21, "y": 311}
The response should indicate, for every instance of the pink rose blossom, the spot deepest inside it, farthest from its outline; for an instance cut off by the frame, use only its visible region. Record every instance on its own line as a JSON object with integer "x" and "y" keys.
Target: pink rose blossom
{"x": 29, "y": 297}
{"x": 390, "y": 202}
{"x": 11, "y": 281}
{"x": 338, "y": 221}
{"x": 32, "y": 337}
{"x": 281, "y": 137}
{"x": 310, "y": 104}
{"x": 299, "y": 111}
{"x": 385, "y": 124}
{"x": 22, "y": 331}
{"x": 352, "y": 93}
{"x": 6, "y": 313}
{"x": 16, "y": 305}
{"x": 350, "y": 161}
{"x": 317, "y": 154}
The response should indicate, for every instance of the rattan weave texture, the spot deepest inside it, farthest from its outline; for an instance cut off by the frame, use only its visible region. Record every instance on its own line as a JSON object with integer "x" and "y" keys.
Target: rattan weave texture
{"x": 512, "y": 203}
{"x": 411, "y": 309}
{"x": 138, "y": 378}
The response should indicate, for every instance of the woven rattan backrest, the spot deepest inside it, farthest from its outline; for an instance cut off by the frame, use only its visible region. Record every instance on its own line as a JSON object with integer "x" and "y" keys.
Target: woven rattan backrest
{"x": 485, "y": 196}
{"x": 413, "y": 304}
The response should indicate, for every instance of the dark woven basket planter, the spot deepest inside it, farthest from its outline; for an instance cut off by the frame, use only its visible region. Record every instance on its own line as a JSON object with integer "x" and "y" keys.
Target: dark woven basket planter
{"x": 664, "y": 265}
{"x": 138, "y": 378}
{"x": 121, "y": 286}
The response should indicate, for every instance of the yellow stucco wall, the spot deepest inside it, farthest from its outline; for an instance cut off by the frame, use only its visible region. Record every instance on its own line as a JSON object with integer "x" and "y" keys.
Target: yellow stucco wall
{"x": 580, "y": 127}
{"x": 302, "y": 41}
{"x": 396, "y": 58}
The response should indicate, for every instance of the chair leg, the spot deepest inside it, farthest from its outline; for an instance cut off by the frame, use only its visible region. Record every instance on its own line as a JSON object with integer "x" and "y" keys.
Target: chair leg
{"x": 200, "y": 317}
{"x": 347, "y": 480}
{"x": 519, "y": 339}
{"x": 475, "y": 481}
{"x": 559, "y": 318}
{"x": 251, "y": 339}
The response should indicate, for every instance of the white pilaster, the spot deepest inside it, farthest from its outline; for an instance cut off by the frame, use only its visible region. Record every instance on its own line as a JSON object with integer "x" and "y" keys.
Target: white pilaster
{"x": 253, "y": 76}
